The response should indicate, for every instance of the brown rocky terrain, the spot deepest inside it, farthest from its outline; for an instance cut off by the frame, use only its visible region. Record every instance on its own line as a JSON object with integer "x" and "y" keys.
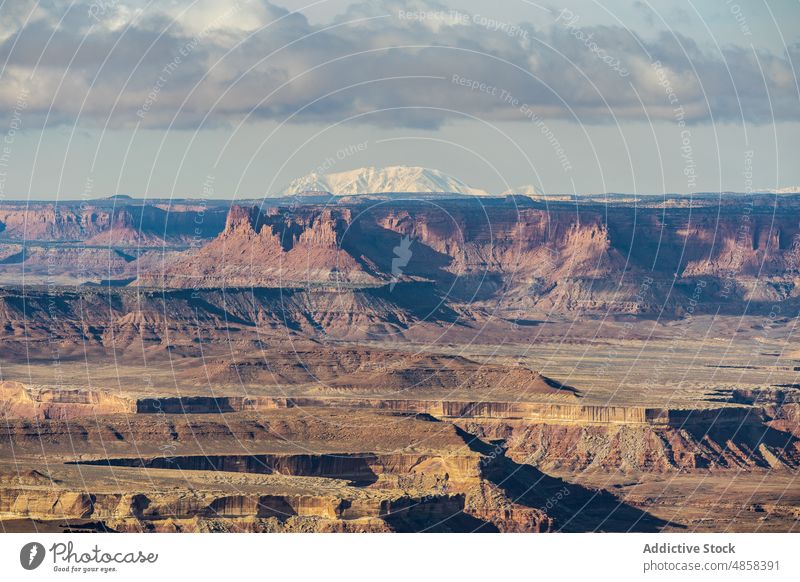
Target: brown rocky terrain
{"x": 271, "y": 249}
{"x": 377, "y": 364}
{"x": 684, "y": 446}
{"x": 117, "y": 222}
{"x": 513, "y": 253}
{"x": 352, "y": 371}
{"x": 19, "y": 400}
{"x": 507, "y": 255}
{"x": 294, "y": 470}
{"x": 335, "y": 463}
{"x": 73, "y": 243}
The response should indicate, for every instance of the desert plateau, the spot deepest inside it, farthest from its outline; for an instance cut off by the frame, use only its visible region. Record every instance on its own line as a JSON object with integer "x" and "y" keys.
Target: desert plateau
{"x": 305, "y": 288}
{"x": 413, "y": 362}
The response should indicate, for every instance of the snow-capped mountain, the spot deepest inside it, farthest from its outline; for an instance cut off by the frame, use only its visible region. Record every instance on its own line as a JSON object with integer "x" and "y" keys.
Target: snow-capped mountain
{"x": 525, "y": 190}
{"x": 380, "y": 180}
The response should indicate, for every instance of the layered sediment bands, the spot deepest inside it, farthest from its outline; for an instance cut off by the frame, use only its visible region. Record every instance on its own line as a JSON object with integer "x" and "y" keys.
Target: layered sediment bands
{"x": 111, "y": 222}
{"x": 18, "y": 400}
{"x": 360, "y": 468}
{"x": 46, "y": 503}
{"x": 451, "y": 409}
{"x": 153, "y": 507}
{"x": 642, "y": 448}
{"x": 621, "y": 258}
{"x": 488, "y": 502}
{"x": 143, "y": 499}
{"x": 119, "y": 317}
{"x": 522, "y": 254}
{"x": 400, "y": 504}
{"x": 294, "y": 430}
{"x": 270, "y": 249}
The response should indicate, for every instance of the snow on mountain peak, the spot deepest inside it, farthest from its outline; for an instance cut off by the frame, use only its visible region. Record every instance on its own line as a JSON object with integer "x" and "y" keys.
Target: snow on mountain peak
{"x": 372, "y": 180}
{"x": 525, "y": 190}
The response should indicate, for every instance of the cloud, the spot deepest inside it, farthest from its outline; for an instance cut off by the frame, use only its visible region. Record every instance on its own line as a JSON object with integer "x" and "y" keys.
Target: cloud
{"x": 385, "y": 63}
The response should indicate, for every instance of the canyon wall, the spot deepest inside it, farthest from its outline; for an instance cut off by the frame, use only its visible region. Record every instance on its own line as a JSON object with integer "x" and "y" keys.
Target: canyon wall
{"x": 620, "y": 257}
{"x": 108, "y": 222}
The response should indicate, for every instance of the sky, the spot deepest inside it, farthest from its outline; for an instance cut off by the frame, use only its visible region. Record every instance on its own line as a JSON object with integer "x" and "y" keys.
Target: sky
{"x": 235, "y": 99}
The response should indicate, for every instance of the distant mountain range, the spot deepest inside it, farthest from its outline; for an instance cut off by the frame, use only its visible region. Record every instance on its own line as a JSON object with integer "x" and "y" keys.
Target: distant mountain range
{"x": 416, "y": 180}
{"x": 370, "y": 180}
{"x": 390, "y": 182}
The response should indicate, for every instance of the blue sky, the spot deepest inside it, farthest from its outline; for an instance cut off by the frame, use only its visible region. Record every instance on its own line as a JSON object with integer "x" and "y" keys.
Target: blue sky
{"x": 159, "y": 99}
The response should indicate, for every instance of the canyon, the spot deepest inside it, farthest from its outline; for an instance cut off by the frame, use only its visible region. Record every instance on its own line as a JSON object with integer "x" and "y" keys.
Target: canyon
{"x": 400, "y": 362}
{"x": 505, "y": 254}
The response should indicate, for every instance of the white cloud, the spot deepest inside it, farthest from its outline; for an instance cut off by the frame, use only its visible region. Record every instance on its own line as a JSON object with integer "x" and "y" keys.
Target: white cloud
{"x": 222, "y": 61}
